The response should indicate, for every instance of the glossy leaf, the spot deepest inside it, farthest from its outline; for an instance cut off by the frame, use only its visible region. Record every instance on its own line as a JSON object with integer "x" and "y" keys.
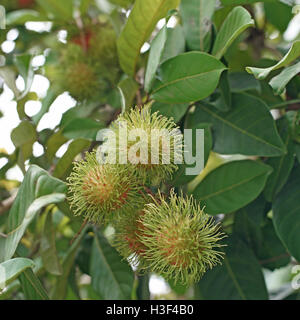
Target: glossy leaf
{"x": 283, "y": 165}
{"x": 189, "y": 77}
{"x": 37, "y": 190}
{"x": 32, "y": 287}
{"x": 141, "y": 22}
{"x": 175, "y": 111}
{"x": 48, "y": 247}
{"x": 83, "y": 128}
{"x": 61, "y": 287}
{"x": 112, "y": 278}
{"x": 11, "y": 269}
{"x": 231, "y": 186}
{"x": 279, "y": 82}
{"x": 248, "y": 128}
{"x": 236, "y": 22}
{"x": 286, "y": 210}
{"x": 238, "y": 278}
{"x": 292, "y": 54}
{"x": 63, "y": 165}
{"x": 23, "y": 63}
{"x": 196, "y": 20}
{"x": 128, "y": 88}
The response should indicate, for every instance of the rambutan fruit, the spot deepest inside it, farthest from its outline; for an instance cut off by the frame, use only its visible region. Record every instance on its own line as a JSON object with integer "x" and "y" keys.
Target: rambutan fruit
{"x": 127, "y": 241}
{"x": 102, "y": 192}
{"x": 148, "y": 142}
{"x": 181, "y": 241}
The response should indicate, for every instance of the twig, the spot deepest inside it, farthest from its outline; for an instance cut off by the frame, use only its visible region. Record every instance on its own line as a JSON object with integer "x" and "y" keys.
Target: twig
{"x": 80, "y": 230}
{"x": 273, "y": 259}
{"x": 6, "y": 204}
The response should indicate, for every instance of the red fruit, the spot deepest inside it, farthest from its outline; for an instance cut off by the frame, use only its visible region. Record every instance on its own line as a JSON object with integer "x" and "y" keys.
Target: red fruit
{"x": 25, "y": 3}
{"x": 83, "y": 39}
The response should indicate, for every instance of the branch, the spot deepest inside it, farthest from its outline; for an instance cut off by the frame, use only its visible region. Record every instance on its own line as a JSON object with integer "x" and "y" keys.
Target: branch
{"x": 6, "y": 204}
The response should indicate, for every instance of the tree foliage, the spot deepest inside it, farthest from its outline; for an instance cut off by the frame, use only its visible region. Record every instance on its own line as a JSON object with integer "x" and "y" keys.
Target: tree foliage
{"x": 223, "y": 66}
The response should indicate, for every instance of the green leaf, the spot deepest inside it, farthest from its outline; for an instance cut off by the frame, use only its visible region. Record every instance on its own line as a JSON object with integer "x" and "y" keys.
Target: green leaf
{"x": 57, "y": 9}
{"x": 292, "y": 54}
{"x": 37, "y": 190}
{"x": 11, "y": 269}
{"x": 278, "y": 14}
{"x": 141, "y": 22}
{"x": 286, "y": 211}
{"x": 238, "y": 278}
{"x": 9, "y": 77}
{"x": 236, "y": 22}
{"x": 248, "y": 128}
{"x": 279, "y": 82}
{"x": 175, "y": 111}
{"x": 112, "y": 278}
{"x": 283, "y": 165}
{"x": 180, "y": 177}
{"x": 271, "y": 253}
{"x": 55, "y": 141}
{"x": 83, "y": 128}
{"x": 46, "y": 103}
{"x": 297, "y": 151}
{"x": 23, "y": 137}
{"x": 23, "y": 62}
{"x": 168, "y": 43}
{"x": 239, "y": 2}
{"x": 122, "y": 3}
{"x": 48, "y": 247}
{"x": 61, "y": 287}
{"x": 156, "y": 51}
{"x": 242, "y": 81}
{"x": 223, "y": 102}
{"x": 65, "y": 162}
{"x": 196, "y": 20}
{"x": 128, "y": 88}
{"x": 231, "y": 186}
{"x": 20, "y": 17}
{"x": 32, "y": 287}
{"x": 188, "y": 77}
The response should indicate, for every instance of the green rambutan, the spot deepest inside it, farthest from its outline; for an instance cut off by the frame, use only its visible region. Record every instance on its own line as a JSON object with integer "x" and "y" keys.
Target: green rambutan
{"x": 180, "y": 239}
{"x": 128, "y": 230}
{"x": 102, "y": 192}
{"x": 153, "y": 157}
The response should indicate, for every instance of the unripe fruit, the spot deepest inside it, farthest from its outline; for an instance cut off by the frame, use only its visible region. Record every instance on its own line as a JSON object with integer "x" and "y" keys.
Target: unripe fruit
{"x": 156, "y": 152}
{"x": 181, "y": 240}
{"x": 101, "y": 192}
{"x": 127, "y": 241}
{"x": 88, "y": 63}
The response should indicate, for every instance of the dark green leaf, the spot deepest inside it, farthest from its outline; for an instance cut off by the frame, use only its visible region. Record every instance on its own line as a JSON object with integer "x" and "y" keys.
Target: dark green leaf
{"x": 283, "y": 165}
{"x": 38, "y": 189}
{"x": 83, "y": 128}
{"x": 292, "y": 54}
{"x": 232, "y": 185}
{"x": 196, "y": 20}
{"x": 188, "y": 77}
{"x": 11, "y": 269}
{"x": 248, "y": 128}
{"x": 238, "y": 278}
{"x": 236, "y": 22}
{"x": 112, "y": 278}
{"x": 141, "y": 22}
{"x": 286, "y": 210}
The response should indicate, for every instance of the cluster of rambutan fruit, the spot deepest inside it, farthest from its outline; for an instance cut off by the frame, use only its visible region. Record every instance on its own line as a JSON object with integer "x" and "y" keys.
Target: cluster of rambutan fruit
{"x": 168, "y": 235}
{"x": 87, "y": 64}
